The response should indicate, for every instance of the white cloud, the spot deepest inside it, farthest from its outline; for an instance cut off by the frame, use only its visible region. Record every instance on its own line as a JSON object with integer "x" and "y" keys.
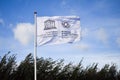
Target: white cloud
{"x": 96, "y": 34}
{"x": 83, "y": 46}
{"x": 85, "y": 32}
{"x": 102, "y": 35}
{"x": 1, "y": 21}
{"x": 103, "y": 59}
{"x": 24, "y": 33}
{"x": 118, "y": 41}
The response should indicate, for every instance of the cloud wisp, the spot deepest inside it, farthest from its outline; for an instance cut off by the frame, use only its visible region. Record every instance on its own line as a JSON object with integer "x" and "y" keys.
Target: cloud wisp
{"x": 83, "y": 46}
{"x": 118, "y": 41}
{"x": 1, "y": 21}
{"x": 102, "y": 35}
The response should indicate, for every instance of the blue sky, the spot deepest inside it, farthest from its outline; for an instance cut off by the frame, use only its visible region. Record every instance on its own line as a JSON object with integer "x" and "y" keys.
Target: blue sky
{"x": 100, "y": 23}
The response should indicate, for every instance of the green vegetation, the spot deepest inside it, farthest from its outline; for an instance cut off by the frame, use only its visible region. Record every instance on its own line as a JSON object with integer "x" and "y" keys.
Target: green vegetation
{"x": 48, "y": 69}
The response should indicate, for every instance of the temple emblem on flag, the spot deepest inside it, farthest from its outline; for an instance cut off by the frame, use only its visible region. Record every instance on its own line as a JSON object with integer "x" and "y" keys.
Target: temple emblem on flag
{"x": 49, "y": 24}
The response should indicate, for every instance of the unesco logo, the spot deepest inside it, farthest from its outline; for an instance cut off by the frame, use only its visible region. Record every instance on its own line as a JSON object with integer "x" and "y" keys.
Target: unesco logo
{"x": 66, "y": 24}
{"x": 49, "y": 24}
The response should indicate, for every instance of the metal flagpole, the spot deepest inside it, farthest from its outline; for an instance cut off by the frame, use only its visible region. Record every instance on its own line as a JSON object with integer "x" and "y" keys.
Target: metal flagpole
{"x": 35, "y": 46}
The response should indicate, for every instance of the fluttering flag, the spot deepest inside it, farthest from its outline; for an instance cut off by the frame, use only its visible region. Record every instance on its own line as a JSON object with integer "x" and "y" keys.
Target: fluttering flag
{"x": 58, "y": 30}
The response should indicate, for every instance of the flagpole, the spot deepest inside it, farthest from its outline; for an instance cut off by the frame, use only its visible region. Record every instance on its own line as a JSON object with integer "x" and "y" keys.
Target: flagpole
{"x": 35, "y": 46}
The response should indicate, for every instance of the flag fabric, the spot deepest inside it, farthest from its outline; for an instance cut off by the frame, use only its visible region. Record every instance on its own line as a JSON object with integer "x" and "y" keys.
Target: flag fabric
{"x": 58, "y": 30}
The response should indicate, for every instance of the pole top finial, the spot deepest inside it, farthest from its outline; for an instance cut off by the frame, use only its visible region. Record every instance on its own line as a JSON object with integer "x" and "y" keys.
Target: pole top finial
{"x": 35, "y": 12}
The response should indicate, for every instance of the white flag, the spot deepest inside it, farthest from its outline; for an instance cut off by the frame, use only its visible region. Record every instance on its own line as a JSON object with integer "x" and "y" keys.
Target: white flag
{"x": 58, "y": 29}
